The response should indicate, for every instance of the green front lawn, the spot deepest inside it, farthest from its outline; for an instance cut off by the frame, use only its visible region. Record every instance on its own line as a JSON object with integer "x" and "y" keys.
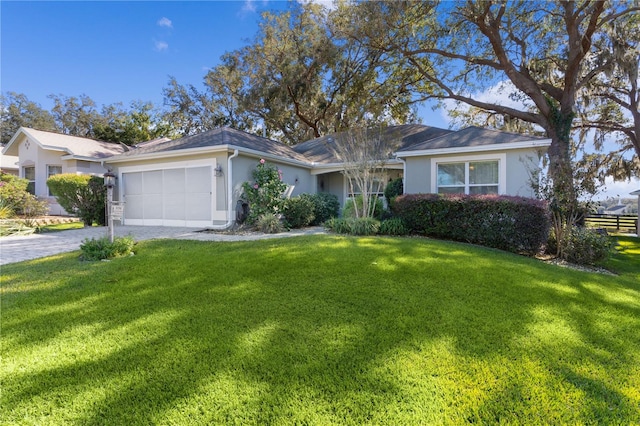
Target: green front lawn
{"x": 319, "y": 330}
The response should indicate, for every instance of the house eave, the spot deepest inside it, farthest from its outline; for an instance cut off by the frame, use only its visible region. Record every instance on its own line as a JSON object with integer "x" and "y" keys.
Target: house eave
{"x": 202, "y": 150}
{"x": 323, "y": 168}
{"x": 540, "y": 143}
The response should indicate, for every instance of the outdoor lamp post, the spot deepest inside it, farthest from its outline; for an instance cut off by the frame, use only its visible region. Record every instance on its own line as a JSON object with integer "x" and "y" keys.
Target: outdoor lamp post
{"x": 109, "y": 182}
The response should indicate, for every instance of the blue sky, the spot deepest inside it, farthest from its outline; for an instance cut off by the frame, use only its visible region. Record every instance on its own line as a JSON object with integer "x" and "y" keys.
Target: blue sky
{"x": 120, "y": 51}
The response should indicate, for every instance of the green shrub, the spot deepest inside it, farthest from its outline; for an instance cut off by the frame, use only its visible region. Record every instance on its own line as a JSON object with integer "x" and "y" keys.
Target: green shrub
{"x": 269, "y": 223}
{"x": 102, "y": 248}
{"x": 516, "y": 224}
{"x": 587, "y": 246}
{"x": 394, "y": 226}
{"x": 353, "y": 226}
{"x": 338, "y": 225}
{"x": 325, "y": 206}
{"x": 298, "y": 212}
{"x": 81, "y": 195}
{"x": 364, "y": 226}
{"x": 16, "y": 200}
{"x": 353, "y": 203}
{"x": 394, "y": 189}
{"x": 264, "y": 194}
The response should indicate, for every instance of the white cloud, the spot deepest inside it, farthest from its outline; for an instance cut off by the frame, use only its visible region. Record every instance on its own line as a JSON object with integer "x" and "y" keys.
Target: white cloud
{"x": 165, "y": 22}
{"x": 329, "y": 4}
{"x": 160, "y": 46}
{"x": 249, "y": 6}
{"x": 613, "y": 189}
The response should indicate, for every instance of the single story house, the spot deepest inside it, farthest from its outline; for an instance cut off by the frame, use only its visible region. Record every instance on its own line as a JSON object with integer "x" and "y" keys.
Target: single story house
{"x": 197, "y": 180}
{"x": 43, "y": 154}
{"x": 9, "y": 164}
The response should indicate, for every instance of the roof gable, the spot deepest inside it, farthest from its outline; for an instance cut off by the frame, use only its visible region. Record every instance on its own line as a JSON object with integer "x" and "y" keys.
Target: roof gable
{"x": 71, "y": 145}
{"x": 471, "y": 137}
{"x": 220, "y": 137}
{"x": 320, "y": 150}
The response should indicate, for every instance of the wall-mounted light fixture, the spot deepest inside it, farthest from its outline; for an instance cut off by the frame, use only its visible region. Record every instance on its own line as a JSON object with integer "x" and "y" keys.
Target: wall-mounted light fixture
{"x": 218, "y": 170}
{"x": 297, "y": 180}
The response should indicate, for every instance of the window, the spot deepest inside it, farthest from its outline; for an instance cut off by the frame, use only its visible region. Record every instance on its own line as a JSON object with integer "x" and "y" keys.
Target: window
{"x": 29, "y": 174}
{"x": 51, "y": 171}
{"x": 469, "y": 177}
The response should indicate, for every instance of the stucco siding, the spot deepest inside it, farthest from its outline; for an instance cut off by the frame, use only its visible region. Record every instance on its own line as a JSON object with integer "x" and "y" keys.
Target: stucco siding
{"x": 520, "y": 165}
{"x": 417, "y": 176}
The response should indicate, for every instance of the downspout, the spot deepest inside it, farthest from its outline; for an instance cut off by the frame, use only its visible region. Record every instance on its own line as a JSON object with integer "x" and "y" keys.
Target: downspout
{"x": 404, "y": 174}
{"x": 230, "y": 218}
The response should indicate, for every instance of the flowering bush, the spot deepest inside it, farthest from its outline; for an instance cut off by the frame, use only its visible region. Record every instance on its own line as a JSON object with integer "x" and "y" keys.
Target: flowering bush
{"x": 264, "y": 194}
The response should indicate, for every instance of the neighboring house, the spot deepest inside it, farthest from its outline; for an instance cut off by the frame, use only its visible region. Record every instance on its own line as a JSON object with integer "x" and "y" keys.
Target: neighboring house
{"x": 618, "y": 210}
{"x": 197, "y": 180}
{"x": 9, "y": 164}
{"x": 43, "y": 154}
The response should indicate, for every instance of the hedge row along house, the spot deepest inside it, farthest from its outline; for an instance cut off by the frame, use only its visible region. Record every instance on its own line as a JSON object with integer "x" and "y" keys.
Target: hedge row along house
{"x": 196, "y": 181}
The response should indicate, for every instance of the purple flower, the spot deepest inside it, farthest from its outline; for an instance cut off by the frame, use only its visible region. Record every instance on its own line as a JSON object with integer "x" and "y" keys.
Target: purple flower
{"x": 255, "y": 186}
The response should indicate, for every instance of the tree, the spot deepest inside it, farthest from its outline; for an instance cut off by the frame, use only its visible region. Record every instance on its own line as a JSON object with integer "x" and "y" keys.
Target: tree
{"x": 364, "y": 153}
{"x": 610, "y": 105}
{"x": 545, "y": 49}
{"x": 302, "y": 78}
{"x": 191, "y": 112}
{"x": 17, "y": 111}
{"x": 141, "y": 123}
{"x": 75, "y": 116}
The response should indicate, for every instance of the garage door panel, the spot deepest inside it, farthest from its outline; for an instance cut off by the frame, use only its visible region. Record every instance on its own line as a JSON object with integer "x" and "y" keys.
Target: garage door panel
{"x": 152, "y": 182}
{"x": 198, "y": 207}
{"x": 174, "y": 207}
{"x": 198, "y": 180}
{"x": 174, "y": 181}
{"x": 172, "y": 197}
{"x": 133, "y": 183}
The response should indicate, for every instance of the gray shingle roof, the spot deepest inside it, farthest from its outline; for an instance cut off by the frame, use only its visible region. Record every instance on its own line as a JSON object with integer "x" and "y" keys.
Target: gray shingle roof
{"x": 470, "y": 137}
{"x": 220, "y": 137}
{"x": 73, "y": 145}
{"x": 319, "y": 150}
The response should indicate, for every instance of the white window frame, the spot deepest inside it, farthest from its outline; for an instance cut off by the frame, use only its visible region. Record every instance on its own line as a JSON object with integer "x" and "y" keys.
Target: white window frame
{"x": 32, "y": 182}
{"x": 49, "y": 174}
{"x": 502, "y": 169}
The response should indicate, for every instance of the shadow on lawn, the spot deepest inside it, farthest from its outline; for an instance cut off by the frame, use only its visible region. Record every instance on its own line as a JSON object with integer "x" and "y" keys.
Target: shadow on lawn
{"x": 305, "y": 331}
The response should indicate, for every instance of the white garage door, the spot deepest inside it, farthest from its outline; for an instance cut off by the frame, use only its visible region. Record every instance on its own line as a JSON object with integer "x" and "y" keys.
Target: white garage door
{"x": 169, "y": 197}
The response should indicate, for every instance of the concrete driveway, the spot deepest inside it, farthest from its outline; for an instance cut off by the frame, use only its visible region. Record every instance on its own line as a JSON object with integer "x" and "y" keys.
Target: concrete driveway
{"x": 27, "y": 247}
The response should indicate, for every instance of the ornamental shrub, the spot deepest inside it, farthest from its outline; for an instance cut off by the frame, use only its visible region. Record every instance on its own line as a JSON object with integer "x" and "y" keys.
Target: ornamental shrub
{"x": 587, "y": 246}
{"x": 81, "y": 195}
{"x": 393, "y": 189}
{"x": 325, "y": 206}
{"x": 515, "y": 224}
{"x": 393, "y": 226}
{"x": 16, "y": 200}
{"x": 298, "y": 212}
{"x": 353, "y": 225}
{"x": 102, "y": 248}
{"x": 269, "y": 223}
{"x": 352, "y": 203}
{"x": 264, "y": 194}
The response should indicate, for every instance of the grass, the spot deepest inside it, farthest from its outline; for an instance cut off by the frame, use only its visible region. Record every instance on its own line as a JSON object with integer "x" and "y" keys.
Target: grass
{"x": 320, "y": 330}
{"x": 60, "y": 227}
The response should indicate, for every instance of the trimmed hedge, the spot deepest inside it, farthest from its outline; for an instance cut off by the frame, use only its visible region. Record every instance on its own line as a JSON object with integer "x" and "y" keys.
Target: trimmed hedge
{"x": 82, "y": 195}
{"x": 298, "y": 212}
{"x": 515, "y": 224}
{"x": 325, "y": 206}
